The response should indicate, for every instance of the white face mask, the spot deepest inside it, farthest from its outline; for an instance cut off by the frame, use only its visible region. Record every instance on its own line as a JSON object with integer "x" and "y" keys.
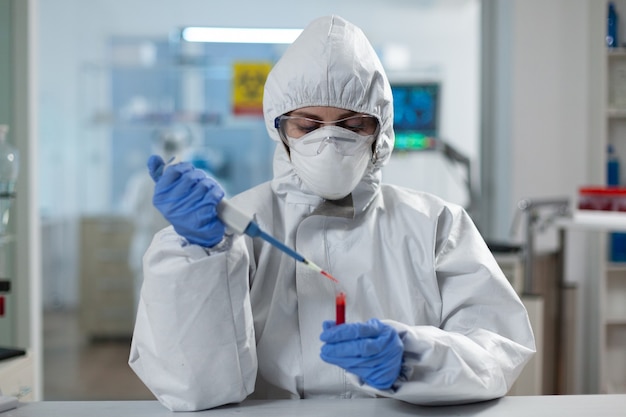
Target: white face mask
{"x": 328, "y": 173}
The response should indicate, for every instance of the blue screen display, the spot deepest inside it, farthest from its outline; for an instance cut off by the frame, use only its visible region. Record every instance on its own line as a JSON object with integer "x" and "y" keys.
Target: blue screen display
{"x": 416, "y": 114}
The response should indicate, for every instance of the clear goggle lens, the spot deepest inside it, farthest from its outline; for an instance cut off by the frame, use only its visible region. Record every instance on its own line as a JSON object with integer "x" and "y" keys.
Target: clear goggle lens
{"x": 310, "y": 137}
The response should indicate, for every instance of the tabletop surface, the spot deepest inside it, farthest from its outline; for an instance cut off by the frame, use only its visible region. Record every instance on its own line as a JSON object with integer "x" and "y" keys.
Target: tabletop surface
{"x": 597, "y": 220}
{"x": 512, "y": 406}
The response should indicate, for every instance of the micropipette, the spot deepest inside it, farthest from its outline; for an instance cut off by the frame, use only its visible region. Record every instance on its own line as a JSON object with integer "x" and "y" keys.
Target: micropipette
{"x": 241, "y": 223}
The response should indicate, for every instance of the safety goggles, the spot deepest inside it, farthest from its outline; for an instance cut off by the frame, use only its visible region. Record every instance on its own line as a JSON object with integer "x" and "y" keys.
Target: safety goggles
{"x": 310, "y": 137}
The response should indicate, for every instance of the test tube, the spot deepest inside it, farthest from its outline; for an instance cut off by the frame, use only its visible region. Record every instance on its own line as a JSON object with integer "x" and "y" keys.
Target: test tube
{"x": 340, "y": 303}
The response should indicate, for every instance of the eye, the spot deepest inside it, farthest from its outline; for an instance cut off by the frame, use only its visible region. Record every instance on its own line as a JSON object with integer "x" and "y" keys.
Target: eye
{"x": 354, "y": 125}
{"x": 360, "y": 124}
{"x": 306, "y": 125}
{"x": 300, "y": 126}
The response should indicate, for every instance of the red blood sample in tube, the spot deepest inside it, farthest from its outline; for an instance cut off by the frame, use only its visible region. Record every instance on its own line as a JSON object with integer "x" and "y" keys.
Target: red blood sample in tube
{"x": 340, "y": 302}
{"x": 1, "y": 305}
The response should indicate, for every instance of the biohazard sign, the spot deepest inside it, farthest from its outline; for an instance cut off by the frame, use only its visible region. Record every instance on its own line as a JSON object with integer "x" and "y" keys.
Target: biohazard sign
{"x": 248, "y": 82}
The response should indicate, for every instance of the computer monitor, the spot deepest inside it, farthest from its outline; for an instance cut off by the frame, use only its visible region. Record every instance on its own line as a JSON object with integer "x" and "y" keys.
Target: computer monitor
{"x": 416, "y": 115}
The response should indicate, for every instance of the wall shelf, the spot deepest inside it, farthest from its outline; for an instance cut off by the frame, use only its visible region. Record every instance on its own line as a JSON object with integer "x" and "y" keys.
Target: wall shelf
{"x": 616, "y": 113}
{"x": 616, "y": 267}
{"x": 608, "y": 282}
{"x": 616, "y": 53}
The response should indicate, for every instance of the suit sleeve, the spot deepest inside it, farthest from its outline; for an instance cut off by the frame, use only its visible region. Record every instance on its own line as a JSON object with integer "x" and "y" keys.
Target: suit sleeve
{"x": 193, "y": 344}
{"x": 484, "y": 338}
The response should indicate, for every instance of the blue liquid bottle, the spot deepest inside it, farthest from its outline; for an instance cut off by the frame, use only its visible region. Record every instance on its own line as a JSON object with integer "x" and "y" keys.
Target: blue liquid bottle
{"x": 612, "y": 167}
{"x": 612, "y": 40}
{"x": 617, "y": 240}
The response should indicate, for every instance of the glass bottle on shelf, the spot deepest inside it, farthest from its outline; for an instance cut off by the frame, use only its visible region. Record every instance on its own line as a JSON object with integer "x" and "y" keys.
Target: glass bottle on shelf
{"x": 9, "y": 168}
{"x": 612, "y": 27}
{"x": 613, "y": 165}
{"x": 617, "y": 239}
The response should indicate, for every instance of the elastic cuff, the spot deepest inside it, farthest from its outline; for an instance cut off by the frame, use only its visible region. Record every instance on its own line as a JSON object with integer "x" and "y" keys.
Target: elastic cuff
{"x": 225, "y": 244}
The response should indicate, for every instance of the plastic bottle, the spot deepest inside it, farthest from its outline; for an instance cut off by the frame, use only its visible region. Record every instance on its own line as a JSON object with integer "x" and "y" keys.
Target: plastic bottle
{"x": 9, "y": 168}
{"x": 612, "y": 33}
{"x": 612, "y": 167}
{"x": 617, "y": 240}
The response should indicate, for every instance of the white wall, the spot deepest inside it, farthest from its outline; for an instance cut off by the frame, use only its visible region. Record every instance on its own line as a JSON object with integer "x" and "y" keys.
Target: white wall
{"x": 543, "y": 117}
{"x": 551, "y": 128}
{"x": 550, "y": 97}
{"x": 544, "y": 122}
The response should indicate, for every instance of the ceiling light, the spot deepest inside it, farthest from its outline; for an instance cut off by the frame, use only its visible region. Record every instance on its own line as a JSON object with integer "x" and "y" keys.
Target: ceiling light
{"x": 239, "y": 35}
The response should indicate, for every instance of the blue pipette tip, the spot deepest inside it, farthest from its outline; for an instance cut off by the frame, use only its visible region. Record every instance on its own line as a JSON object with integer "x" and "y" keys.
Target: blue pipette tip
{"x": 253, "y": 230}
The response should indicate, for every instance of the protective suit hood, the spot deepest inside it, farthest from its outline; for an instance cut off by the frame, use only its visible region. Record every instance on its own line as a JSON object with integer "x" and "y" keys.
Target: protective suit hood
{"x": 331, "y": 64}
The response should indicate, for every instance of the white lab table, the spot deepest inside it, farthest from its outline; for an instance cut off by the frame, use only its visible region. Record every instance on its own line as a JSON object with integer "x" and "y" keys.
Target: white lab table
{"x": 511, "y": 406}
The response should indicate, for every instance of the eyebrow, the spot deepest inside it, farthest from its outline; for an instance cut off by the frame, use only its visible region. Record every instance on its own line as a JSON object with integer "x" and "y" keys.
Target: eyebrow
{"x": 300, "y": 113}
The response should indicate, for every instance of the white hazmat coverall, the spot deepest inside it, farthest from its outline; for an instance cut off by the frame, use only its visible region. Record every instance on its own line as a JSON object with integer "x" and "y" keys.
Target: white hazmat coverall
{"x": 218, "y": 325}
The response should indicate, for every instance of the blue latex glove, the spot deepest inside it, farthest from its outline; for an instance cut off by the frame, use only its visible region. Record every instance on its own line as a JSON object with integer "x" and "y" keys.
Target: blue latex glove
{"x": 188, "y": 198}
{"x": 371, "y": 350}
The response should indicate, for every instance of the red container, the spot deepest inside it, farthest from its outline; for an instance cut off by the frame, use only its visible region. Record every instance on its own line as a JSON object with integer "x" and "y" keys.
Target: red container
{"x": 602, "y": 198}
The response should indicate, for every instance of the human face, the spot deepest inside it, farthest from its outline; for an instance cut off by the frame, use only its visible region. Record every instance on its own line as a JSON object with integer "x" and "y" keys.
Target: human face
{"x": 330, "y": 148}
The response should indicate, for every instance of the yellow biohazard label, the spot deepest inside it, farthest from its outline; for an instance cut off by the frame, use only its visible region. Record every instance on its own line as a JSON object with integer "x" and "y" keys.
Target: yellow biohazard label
{"x": 248, "y": 82}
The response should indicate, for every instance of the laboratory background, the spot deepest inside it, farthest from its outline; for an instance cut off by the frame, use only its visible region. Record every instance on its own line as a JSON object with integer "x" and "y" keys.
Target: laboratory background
{"x": 507, "y": 107}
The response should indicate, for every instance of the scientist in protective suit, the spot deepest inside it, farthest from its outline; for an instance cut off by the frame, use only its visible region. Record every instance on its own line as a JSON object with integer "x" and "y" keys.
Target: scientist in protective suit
{"x": 430, "y": 317}
{"x": 137, "y": 201}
